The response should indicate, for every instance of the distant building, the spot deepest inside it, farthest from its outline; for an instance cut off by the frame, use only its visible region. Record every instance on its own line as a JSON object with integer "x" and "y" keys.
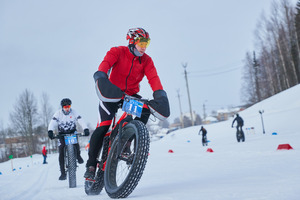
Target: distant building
{"x": 225, "y": 114}
{"x": 210, "y": 120}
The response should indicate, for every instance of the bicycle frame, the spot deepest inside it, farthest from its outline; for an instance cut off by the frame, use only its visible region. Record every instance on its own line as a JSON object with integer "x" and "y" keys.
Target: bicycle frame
{"x": 124, "y": 153}
{"x": 124, "y": 119}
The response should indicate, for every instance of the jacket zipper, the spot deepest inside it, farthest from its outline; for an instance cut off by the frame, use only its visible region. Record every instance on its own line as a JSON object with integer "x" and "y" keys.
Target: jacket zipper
{"x": 129, "y": 74}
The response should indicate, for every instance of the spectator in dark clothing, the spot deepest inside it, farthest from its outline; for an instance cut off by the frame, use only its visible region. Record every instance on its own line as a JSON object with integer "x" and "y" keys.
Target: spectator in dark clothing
{"x": 240, "y": 122}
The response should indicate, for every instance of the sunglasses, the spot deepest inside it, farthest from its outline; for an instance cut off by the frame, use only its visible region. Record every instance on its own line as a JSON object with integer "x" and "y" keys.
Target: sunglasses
{"x": 142, "y": 42}
{"x": 67, "y": 106}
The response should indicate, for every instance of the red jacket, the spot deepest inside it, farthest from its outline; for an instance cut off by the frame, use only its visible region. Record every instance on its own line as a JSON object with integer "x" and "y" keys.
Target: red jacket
{"x": 127, "y": 70}
{"x": 44, "y": 151}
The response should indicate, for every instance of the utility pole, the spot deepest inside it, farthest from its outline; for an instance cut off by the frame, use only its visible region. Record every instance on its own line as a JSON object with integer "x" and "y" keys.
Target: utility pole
{"x": 204, "y": 113}
{"x": 187, "y": 87}
{"x": 256, "y": 68}
{"x": 181, "y": 121}
{"x": 262, "y": 121}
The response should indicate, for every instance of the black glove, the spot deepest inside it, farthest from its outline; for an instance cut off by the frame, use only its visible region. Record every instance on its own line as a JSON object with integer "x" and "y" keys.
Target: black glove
{"x": 106, "y": 91}
{"x": 50, "y": 134}
{"x": 86, "y": 132}
{"x": 160, "y": 105}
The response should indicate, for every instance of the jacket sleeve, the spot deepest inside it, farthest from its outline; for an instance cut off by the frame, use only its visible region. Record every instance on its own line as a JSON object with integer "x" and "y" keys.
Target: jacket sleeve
{"x": 151, "y": 74}
{"x": 80, "y": 121}
{"x": 233, "y": 121}
{"x": 53, "y": 122}
{"x": 106, "y": 91}
{"x": 109, "y": 60}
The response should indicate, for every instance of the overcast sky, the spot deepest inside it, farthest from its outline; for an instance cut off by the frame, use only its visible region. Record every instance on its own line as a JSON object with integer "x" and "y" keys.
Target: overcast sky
{"x": 56, "y": 46}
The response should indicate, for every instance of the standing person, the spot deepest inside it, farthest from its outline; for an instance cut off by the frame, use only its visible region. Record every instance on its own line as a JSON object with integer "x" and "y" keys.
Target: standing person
{"x": 65, "y": 120}
{"x": 240, "y": 122}
{"x": 204, "y": 138}
{"x": 120, "y": 72}
{"x": 44, "y": 152}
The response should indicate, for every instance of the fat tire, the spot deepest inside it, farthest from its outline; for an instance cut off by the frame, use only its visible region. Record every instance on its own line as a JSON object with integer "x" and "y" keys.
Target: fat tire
{"x": 204, "y": 141}
{"x": 96, "y": 187}
{"x": 238, "y": 136}
{"x": 138, "y": 130}
{"x": 243, "y": 136}
{"x": 71, "y": 154}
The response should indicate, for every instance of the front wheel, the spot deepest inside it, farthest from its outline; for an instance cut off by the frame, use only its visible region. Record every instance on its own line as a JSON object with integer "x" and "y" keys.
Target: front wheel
{"x": 71, "y": 165}
{"x": 124, "y": 169}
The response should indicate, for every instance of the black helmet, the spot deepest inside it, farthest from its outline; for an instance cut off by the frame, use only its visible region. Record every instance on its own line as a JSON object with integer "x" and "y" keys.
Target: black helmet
{"x": 65, "y": 101}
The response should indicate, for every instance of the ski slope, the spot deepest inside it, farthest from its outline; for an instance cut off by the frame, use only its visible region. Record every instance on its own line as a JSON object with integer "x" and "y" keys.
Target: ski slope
{"x": 254, "y": 169}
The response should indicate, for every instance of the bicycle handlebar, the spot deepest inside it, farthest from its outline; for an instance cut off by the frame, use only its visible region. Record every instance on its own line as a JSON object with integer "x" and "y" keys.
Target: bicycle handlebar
{"x": 127, "y": 97}
{"x": 68, "y": 134}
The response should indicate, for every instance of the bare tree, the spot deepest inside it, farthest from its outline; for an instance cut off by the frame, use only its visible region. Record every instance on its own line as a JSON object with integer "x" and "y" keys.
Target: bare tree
{"x": 3, "y": 155}
{"x": 297, "y": 36}
{"x": 290, "y": 40}
{"x": 46, "y": 114}
{"x": 277, "y": 62}
{"x": 24, "y": 119}
{"x": 248, "y": 90}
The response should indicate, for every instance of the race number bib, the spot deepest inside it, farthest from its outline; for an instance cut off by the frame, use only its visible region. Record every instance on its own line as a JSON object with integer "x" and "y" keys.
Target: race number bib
{"x": 71, "y": 139}
{"x": 133, "y": 107}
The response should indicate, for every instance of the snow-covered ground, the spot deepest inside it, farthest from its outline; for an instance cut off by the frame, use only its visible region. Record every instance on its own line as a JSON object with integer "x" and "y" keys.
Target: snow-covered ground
{"x": 254, "y": 169}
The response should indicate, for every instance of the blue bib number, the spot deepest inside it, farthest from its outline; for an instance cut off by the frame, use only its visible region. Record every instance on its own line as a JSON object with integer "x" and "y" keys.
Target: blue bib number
{"x": 133, "y": 107}
{"x": 71, "y": 139}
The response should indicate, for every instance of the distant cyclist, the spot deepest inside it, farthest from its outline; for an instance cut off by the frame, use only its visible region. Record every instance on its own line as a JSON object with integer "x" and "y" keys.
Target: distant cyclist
{"x": 204, "y": 138}
{"x": 240, "y": 122}
{"x": 65, "y": 121}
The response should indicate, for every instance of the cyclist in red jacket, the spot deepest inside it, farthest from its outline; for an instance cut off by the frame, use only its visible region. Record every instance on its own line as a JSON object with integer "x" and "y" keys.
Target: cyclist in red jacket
{"x": 120, "y": 72}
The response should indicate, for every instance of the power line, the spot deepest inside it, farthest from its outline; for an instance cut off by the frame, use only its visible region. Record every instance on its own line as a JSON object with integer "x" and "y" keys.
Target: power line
{"x": 213, "y": 73}
{"x": 219, "y": 68}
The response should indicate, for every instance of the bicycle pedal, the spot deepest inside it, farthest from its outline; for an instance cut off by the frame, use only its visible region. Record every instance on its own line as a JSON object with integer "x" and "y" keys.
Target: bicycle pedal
{"x": 90, "y": 180}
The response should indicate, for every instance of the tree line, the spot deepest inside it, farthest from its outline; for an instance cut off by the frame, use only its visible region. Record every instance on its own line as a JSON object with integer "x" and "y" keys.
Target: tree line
{"x": 27, "y": 131}
{"x": 28, "y": 127}
{"x": 274, "y": 66}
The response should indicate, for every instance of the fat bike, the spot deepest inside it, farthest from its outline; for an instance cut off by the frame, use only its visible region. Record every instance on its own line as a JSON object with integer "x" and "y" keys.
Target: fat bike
{"x": 124, "y": 153}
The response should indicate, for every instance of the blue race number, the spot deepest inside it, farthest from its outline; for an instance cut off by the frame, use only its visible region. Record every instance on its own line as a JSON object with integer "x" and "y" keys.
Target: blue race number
{"x": 133, "y": 107}
{"x": 71, "y": 139}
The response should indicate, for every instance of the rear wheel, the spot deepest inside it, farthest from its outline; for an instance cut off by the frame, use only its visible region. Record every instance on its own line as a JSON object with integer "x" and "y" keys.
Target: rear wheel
{"x": 243, "y": 136}
{"x": 238, "y": 136}
{"x": 94, "y": 187}
{"x": 124, "y": 169}
{"x": 204, "y": 141}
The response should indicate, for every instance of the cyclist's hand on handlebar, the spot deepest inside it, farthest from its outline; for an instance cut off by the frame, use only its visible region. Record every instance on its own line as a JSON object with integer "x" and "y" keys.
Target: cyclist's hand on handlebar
{"x": 50, "y": 134}
{"x": 86, "y": 132}
{"x": 160, "y": 105}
